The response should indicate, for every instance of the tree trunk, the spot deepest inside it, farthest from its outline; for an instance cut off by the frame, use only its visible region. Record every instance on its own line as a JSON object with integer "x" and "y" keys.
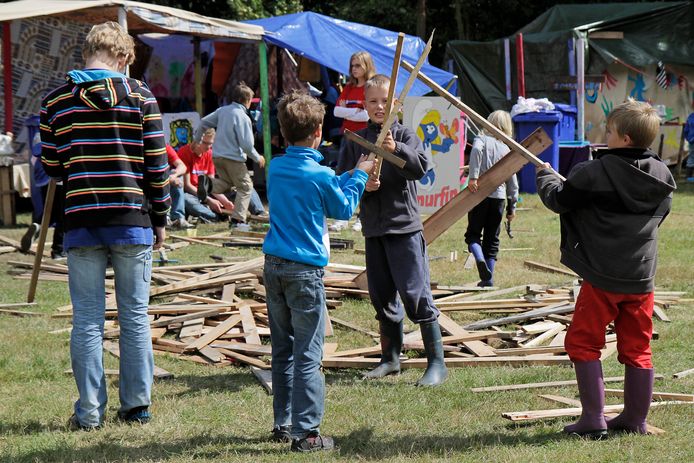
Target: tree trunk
{"x": 422, "y": 19}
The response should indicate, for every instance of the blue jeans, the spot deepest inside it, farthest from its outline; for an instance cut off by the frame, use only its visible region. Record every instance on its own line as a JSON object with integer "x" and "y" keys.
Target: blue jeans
{"x": 296, "y": 309}
{"x": 178, "y": 204}
{"x": 195, "y": 208}
{"x": 132, "y": 265}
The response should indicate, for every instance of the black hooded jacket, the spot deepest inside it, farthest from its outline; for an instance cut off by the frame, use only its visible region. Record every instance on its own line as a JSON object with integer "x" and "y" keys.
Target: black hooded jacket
{"x": 610, "y": 210}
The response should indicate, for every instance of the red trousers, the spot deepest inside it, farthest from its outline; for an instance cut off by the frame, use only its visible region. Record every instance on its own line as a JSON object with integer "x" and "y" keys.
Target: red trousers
{"x": 595, "y": 309}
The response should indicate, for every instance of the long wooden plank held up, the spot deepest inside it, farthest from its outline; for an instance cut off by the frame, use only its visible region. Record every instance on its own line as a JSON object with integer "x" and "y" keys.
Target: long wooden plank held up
{"x": 512, "y": 144}
{"x": 45, "y": 222}
{"x": 403, "y": 93}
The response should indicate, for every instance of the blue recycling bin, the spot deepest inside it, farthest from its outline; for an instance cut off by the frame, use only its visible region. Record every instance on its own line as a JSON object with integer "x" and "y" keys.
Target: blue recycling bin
{"x": 527, "y": 123}
{"x": 567, "y": 126}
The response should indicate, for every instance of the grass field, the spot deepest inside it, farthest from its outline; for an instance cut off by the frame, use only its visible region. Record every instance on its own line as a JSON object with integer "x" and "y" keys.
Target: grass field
{"x": 223, "y": 414}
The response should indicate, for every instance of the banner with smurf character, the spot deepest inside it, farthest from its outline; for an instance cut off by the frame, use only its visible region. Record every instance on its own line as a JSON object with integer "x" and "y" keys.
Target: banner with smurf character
{"x": 440, "y": 127}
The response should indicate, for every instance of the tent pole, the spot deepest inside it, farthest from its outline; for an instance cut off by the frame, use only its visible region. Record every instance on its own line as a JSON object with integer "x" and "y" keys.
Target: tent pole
{"x": 507, "y": 68}
{"x": 7, "y": 64}
{"x": 265, "y": 100}
{"x": 123, "y": 21}
{"x": 197, "y": 71}
{"x": 580, "y": 88}
{"x": 572, "y": 67}
{"x": 520, "y": 63}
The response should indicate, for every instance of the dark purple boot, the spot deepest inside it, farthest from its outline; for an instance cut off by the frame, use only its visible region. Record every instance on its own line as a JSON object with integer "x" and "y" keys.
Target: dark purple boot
{"x": 591, "y": 391}
{"x": 638, "y": 393}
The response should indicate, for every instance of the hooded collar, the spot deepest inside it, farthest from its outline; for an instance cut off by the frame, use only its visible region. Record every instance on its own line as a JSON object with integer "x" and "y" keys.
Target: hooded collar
{"x": 302, "y": 152}
{"x": 90, "y": 75}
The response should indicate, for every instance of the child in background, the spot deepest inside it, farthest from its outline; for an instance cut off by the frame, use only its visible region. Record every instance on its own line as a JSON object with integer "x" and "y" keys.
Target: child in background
{"x": 484, "y": 220}
{"x": 396, "y": 255}
{"x": 301, "y": 193}
{"x": 350, "y": 107}
{"x": 610, "y": 210}
{"x": 689, "y": 135}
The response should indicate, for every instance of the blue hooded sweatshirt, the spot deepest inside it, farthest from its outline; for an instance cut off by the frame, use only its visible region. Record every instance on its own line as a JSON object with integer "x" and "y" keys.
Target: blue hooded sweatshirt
{"x": 301, "y": 194}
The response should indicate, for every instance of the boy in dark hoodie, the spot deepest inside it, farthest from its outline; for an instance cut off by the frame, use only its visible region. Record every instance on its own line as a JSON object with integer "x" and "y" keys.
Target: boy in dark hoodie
{"x": 396, "y": 253}
{"x": 610, "y": 210}
{"x": 102, "y": 135}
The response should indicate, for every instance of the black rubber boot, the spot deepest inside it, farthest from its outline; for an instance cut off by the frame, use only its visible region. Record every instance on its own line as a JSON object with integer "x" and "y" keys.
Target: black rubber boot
{"x": 391, "y": 346}
{"x": 436, "y": 372}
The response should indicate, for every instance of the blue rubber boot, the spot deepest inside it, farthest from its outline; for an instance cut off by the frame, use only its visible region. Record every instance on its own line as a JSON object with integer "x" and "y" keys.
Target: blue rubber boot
{"x": 476, "y": 250}
{"x": 491, "y": 263}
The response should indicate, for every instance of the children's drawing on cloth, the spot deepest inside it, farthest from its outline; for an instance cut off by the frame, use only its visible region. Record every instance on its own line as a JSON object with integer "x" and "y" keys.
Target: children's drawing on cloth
{"x": 606, "y": 106}
{"x": 639, "y": 87}
{"x": 437, "y": 136}
{"x": 592, "y": 90}
{"x": 610, "y": 80}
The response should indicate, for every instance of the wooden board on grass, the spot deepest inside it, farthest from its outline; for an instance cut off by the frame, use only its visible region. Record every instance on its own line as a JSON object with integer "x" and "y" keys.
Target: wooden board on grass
{"x": 573, "y": 411}
{"x": 568, "y": 382}
{"x": 264, "y": 377}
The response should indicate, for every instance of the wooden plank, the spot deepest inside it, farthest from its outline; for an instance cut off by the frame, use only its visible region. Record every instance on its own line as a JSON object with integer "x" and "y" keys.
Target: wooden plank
{"x": 558, "y": 308}
{"x": 214, "y": 333}
{"x": 242, "y": 347}
{"x": 538, "y": 327}
{"x": 656, "y": 395}
{"x": 374, "y": 149}
{"x": 191, "y": 328}
{"x": 360, "y": 362}
{"x": 212, "y": 354}
{"x": 531, "y": 350}
{"x": 574, "y": 411}
{"x": 165, "y": 322}
{"x": 558, "y": 340}
{"x": 21, "y": 313}
{"x": 328, "y": 331}
{"x": 546, "y": 336}
{"x": 561, "y": 400}
{"x": 480, "y": 349}
{"x": 250, "y": 330}
{"x": 659, "y": 313}
{"x": 45, "y": 222}
{"x": 517, "y": 387}
{"x": 264, "y": 377}
{"x": 684, "y": 373}
{"x": 195, "y": 241}
{"x": 354, "y": 327}
{"x": 233, "y": 269}
{"x": 609, "y": 350}
{"x": 477, "y": 347}
{"x": 548, "y": 268}
{"x": 245, "y": 359}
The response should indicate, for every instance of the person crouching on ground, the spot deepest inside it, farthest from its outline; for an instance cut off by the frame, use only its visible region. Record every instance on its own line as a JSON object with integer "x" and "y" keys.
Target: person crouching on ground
{"x": 396, "y": 253}
{"x": 301, "y": 193}
{"x": 610, "y": 210}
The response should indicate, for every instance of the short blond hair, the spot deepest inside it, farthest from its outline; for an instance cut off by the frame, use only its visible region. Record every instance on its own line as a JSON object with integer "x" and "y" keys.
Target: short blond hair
{"x": 366, "y": 61}
{"x": 502, "y": 121}
{"x": 637, "y": 119}
{"x": 111, "y": 38}
{"x": 206, "y": 133}
{"x": 299, "y": 115}
{"x": 242, "y": 94}
{"x": 377, "y": 81}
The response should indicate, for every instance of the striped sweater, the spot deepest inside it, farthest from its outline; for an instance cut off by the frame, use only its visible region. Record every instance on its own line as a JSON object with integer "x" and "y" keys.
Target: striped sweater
{"x": 103, "y": 137}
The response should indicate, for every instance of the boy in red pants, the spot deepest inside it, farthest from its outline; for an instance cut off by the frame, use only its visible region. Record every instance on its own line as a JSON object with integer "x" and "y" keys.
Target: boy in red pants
{"x": 610, "y": 210}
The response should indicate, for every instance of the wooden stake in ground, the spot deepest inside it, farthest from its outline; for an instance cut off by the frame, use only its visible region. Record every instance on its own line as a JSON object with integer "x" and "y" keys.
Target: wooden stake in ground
{"x": 45, "y": 222}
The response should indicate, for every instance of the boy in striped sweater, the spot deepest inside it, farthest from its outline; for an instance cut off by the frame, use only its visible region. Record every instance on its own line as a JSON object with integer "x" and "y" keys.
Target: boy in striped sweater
{"x": 102, "y": 134}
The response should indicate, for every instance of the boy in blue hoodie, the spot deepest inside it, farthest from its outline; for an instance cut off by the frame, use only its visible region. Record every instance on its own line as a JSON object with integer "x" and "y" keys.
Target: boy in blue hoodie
{"x": 689, "y": 135}
{"x": 301, "y": 193}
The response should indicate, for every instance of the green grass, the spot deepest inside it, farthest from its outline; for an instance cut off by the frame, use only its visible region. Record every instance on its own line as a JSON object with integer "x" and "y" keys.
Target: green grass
{"x": 222, "y": 414}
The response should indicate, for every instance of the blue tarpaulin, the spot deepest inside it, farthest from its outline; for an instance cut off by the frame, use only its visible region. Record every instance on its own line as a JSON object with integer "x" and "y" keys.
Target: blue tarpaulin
{"x": 331, "y": 42}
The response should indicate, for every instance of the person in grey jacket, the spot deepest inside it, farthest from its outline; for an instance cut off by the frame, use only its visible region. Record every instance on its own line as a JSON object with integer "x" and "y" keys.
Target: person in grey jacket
{"x": 233, "y": 145}
{"x": 396, "y": 253}
{"x": 610, "y": 210}
{"x": 484, "y": 220}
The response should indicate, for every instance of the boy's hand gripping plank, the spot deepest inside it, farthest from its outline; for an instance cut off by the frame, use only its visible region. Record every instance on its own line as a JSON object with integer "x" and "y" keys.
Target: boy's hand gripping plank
{"x": 510, "y": 142}
{"x": 403, "y": 93}
{"x": 374, "y": 150}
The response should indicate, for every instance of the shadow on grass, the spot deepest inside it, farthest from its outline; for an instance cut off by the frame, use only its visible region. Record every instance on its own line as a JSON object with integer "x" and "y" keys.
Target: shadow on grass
{"x": 30, "y": 427}
{"x": 201, "y": 446}
{"x": 364, "y": 445}
{"x": 222, "y": 383}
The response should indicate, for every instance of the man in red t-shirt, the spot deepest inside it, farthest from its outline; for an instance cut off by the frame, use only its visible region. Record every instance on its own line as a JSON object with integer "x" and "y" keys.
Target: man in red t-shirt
{"x": 177, "y": 169}
{"x": 197, "y": 156}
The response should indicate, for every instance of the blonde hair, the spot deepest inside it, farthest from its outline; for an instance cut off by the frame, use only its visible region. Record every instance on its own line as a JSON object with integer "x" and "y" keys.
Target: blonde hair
{"x": 377, "y": 81}
{"x": 638, "y": 120}
{"x": 502, "y": 121}
{"x": 111, "y": 38}
{"x": 364, "y": 58}
{"x": 299, "y": 115}
{"x": 242, "y": 94}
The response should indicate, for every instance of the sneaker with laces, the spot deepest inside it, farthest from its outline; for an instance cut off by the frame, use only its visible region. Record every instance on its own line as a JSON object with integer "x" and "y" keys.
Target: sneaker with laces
{"x": 139, "y": 415}
{"x": 73, "y": 424}
{"x": 181, "y": 224}
{"x": 58, "y": 254}
{"x": 281, "y": 434}
{"x": 314, "y": 442}
{"x": 29, "y": 237}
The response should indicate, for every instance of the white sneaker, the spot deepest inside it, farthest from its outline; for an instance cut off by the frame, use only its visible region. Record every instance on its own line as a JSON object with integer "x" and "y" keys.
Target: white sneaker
{"x": 337, "y": 225}
{"x": 240, "y": 226}
{"x": 356, "y": 226}
{"x": 182, "y": 224}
